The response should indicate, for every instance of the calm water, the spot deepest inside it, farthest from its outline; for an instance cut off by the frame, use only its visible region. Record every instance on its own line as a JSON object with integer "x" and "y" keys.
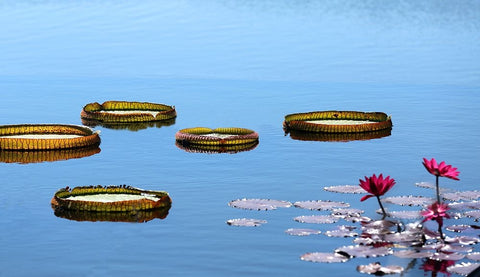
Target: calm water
{"x": 229, "y": 63}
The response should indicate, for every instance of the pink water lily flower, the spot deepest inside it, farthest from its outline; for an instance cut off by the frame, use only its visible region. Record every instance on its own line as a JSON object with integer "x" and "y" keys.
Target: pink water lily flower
{"x": 376, "y": 186}
{"x": 441, "y": 170}
{"x": 437, "y": 211}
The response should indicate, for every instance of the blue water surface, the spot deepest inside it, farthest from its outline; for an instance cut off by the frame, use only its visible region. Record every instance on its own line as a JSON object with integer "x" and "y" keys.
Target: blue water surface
{"x": 229, "y": 63}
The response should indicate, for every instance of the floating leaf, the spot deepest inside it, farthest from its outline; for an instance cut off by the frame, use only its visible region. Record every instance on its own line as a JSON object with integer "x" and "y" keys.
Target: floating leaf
{"x": 377, "y": 269}
{"x": 259, "y": 204}
{"x": 475, "y": 256}
{"x": 474, "y": 205}
{"x": 363, "y": 251}
{"x": 347, "y": 212}
{"x": 404, "y": 237}
{"x": 316, "y": 219}
{"x": 463, "y": 268}
{"x": 405, "y": 214}
{"x": 412, "y": 254}
{"x": 409, "y": 200}
{"x": 345, "y": 189}
{"x": 302, "y": 232}
{"x": 380, "y": 227}
{"x": 342, "y": 231}
{"x": 462, "y": 195}
{"x": 429, "y": 185}
{"x": 473, "y": 214}
{"x": 463, "y": 240}
{"x": 463, "y": 228}
{"x": 320, "y": 257}
{"x": 247, "y": 222}
{"x": 442, "y": 256}
{"x": 320, "y": 205}
{"x": 354, "y": 219}
{"x": 447, "y": 247}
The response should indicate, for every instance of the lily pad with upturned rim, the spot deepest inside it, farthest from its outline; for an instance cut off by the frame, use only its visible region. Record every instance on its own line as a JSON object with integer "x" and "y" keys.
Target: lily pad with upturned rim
{"x": 337, "y": 121}
{"x": 216, "y": 137}
{"x": 47, "y": 137}
{"x": 127, "y": 112}
{"x": 110, "y": 199}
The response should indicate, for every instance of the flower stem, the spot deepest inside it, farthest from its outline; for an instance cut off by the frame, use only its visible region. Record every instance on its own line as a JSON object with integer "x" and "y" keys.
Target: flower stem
{"x": 438, "y": 190}
{"x": 381, "y": 206}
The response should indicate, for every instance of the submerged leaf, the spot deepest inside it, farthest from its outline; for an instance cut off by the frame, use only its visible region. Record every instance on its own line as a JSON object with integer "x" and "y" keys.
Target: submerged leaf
{"x": 345, "y": 189}
{"x": 316, "y": 219}
{"x": 247, "y": 222}
{"x": 409, "y": 200}
{"x": 377, "y": 269}
{"x": 320, "y": 205}
{"x": 320, "y": 257}
{"x": 302, "y": 232}
{"x": 259, "y": 204}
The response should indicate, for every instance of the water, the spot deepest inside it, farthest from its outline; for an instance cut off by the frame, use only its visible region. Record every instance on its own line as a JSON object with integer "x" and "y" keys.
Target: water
{"x": 228, "y": 63}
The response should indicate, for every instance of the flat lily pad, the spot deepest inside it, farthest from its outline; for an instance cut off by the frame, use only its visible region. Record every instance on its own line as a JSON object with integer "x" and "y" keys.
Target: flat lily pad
{"x": 363, "y": 251}
{"x": 475, "y": 256}
{"x": 474, "y": 205}
{"x": 412, "y": 254}
{"x": 409, "y": 200}
{"x": 318, "y": 219}
{"x": 320, "y": 257}
{"x": 405, "y": 214}
{"x": 246, "y": 222}
{"x": 463, "y": 228}
{"x": 463, "y": 240}
{"x": 345, "y": 189}
{"x": 259, "y": 204}
{"x": 342, "y": 231}
{"x": 320, "y": 205}
{"x": 302, "y": 232}
{"x": 473, "y": 214}
{"x": 463, "y": 268}
{"x": 377, "y": 269}
{"x": 462, "y": 195}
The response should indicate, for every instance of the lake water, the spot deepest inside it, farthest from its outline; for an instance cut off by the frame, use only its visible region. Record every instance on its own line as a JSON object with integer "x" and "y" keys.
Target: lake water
{"x": 229, "y": 63}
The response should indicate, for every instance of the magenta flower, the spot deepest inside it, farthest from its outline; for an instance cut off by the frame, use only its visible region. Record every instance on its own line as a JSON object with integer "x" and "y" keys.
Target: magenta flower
{"x": 437, "y": 211}
{"x": 376, "y": 187}
{"x": 441, "y": 170}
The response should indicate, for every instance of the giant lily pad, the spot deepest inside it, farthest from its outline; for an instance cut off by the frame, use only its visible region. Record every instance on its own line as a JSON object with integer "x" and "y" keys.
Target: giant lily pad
{"x": 109, "y": 199}
{"x": 127, "y": 112}
{"x": 46, "y": 137}
{"x": 216, "y": 137}
{"x": 337, "y": 121}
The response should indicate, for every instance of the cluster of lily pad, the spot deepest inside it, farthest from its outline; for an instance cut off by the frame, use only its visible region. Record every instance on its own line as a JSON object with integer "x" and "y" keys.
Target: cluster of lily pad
{"x": 410, "y": 234}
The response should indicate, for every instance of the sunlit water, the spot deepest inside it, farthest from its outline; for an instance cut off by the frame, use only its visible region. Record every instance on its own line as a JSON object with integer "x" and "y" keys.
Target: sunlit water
{"x": 229, "y": 63}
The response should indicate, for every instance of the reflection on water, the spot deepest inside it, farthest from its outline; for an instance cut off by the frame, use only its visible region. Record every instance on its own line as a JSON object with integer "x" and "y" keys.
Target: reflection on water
{"x": 137, "y": 126}
{"x": 25, "y": 157}
{"x": 341, "y": 137}
{"x": 131, "y": 216}
{"x": 211, "y": 149}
